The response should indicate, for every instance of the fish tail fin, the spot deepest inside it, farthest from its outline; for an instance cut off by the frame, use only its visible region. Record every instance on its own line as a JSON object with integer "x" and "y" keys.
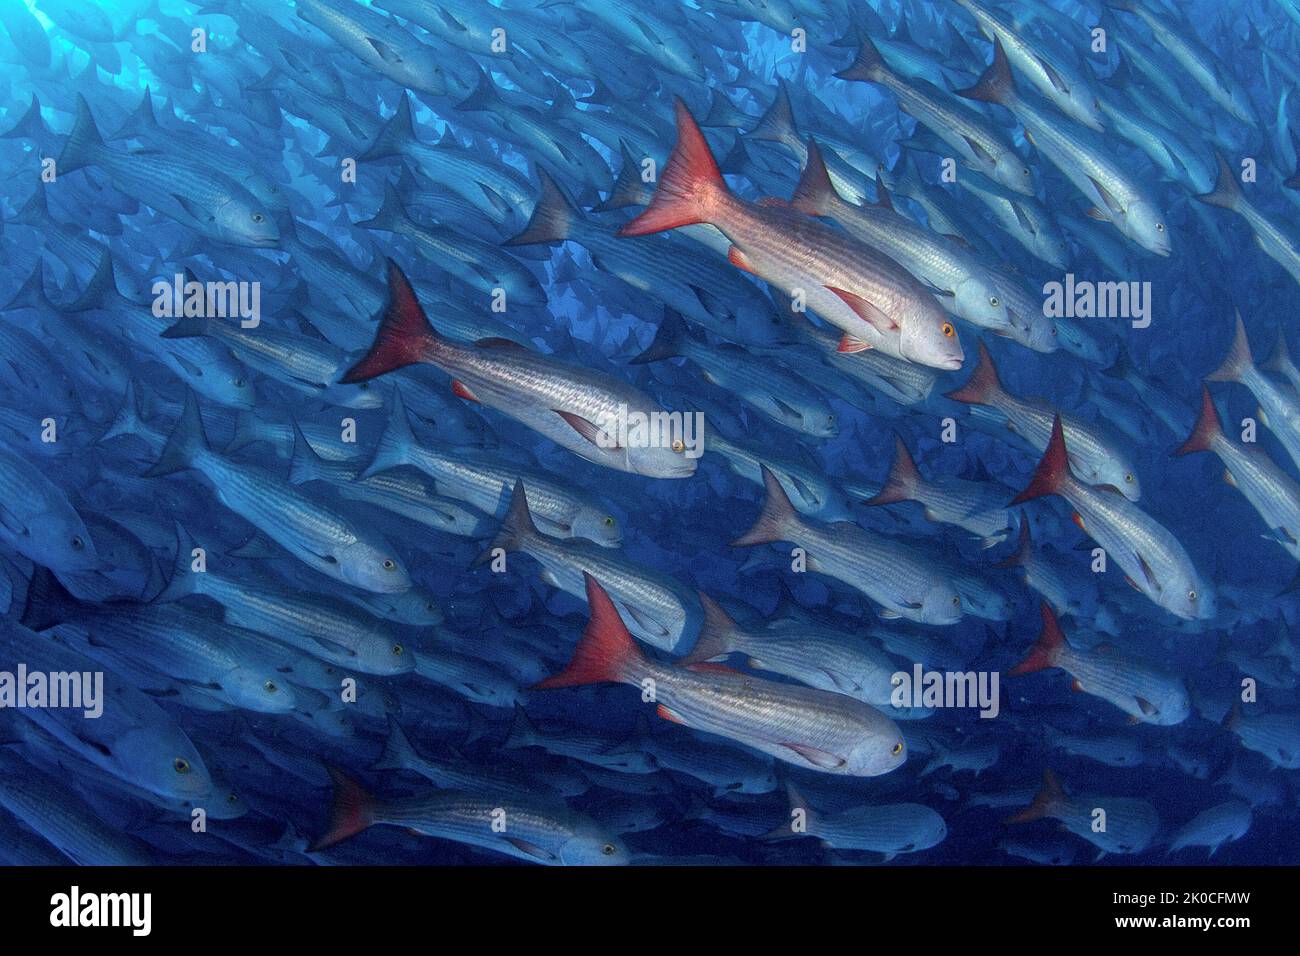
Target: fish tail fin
{"x": 47, "y": 601}
{"x": 1049, "y": 797}
{"x": 1047, "y": 649}
{"x": 31, "y": 126}
{"x": 394, "y": 443}
{"x": 1226, "y": 194}
{"x": 690, "y": 189}
{"x": 398, "y": 753}
{"x": 1279, "y": 360}
{"x": 34, "y": 212}
{"x": 405, "y": 335}
{"x": 629, "y": 189}
{"x": 186, "y": 440}
{"x": 983, "y": 385}
{"x": 606, "y": 651}
{"x": 668, "y": 340}
{"x": 815, "y": 192}
{"x": 187, "y": 327}
{"x": 553, "y": 215}
{"x": 903, "y": 480}
{"x": 715, "y": 633}
{"x": 1206, "y": 429}
{"x": 996, "y": 83}
{"x": 352, "y": 810}
{"x": 1024, "y": 548}
{"x": 184, "y": 579}
{"x": 127, "y": 421}
{"x": 867, "y": 65}
{"x": 1238, "y": 361}
{"x": 516, "y": 527}
{"x": 31, "y": 295}
{"x": 100, "y": 290}
{"x": 777, "y": 124}
{"x": 392, "y": 212}
{"x": 1052, "y": 470}
{"x": 305, "y": 465}
{"x": 83, "y": 142}
{"x": 797, "y": 806}
{"x": 522, "y": 733}
{"x": 777, "y": 518}
{"x": 394, "y": 136}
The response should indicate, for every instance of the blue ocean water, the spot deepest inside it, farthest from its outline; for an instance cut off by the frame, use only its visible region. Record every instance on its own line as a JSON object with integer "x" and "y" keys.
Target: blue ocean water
{"x": 302, "y": 568}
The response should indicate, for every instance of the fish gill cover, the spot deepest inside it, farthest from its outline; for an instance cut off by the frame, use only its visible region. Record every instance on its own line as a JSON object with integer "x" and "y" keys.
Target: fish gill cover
{"x": 595, "y": 432}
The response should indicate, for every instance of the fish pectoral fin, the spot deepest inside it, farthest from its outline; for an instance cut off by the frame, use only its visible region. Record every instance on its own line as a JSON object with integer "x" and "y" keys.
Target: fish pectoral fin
{"x": 1095, "y": 213}
{"x": 982, "y": 154}
{"x": 386, "y": 52}
{"x": 663, "y": 711}
{"x": 1149, "y": 574}
{"x": 737, "y": 259}
{"x": 193, "y": 210}
{"x": 647, "y": 624}
{"x": 1023, "y": 220}
{"x": 1146, "y": 706}
{"x": 1114, "y": 205}
{"x": 1055, "y": 78}
{"x": 530, "y": 849}
{"x": 818, "y": 758}
{"x": 333, "y": 646}
{"x": 461, "y": 390}
{"x": 850, "y": 344}
{"x": 589, "y": 430}
{"x": 864, "y": 310}
{"x": 888, "y": 614}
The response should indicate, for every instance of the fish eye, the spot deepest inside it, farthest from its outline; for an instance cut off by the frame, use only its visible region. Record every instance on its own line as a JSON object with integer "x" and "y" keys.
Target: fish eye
{"x": 830, "y": 419}
{"x": 1128, "y": 477}
{"x": 948, "y": 330}
{"x": 181, "y": 765}
{"x": 270, "y": 687}
{"x": 956, "y": 600}
{"x": 232, "y": 798}
{"x": 389, "y": 564}
{"x": 238, "y": 383}
{"x": 1191, "y": 595}
{"x": 1026, "y": 172}
{"x": 77, "y": 543}
{"x": 678, "y": 445}
{"x": 897, "y": 749}
{"x": 609, "y": 849}
{"x": 1160, "y": 227}
{"x": 397, "y": 649}
{"x": 258, "y": 217}
{"x": 994, "y": 301}
{"x": 609, "y": 521}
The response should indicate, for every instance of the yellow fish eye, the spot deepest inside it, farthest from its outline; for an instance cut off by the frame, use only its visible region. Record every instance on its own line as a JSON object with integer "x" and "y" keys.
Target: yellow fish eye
{"x": 948, "y": 330}
{"x": 897, "y": 749}
{"x": 181, "y": 765}
{"x": 397, "y": 649}
{"x": 1128, "y": 477}
{"x": 609, "y": 521}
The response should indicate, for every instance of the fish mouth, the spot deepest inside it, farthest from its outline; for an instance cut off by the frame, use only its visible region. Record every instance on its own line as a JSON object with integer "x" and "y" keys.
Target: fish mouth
{"x": 951, "y": 364}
